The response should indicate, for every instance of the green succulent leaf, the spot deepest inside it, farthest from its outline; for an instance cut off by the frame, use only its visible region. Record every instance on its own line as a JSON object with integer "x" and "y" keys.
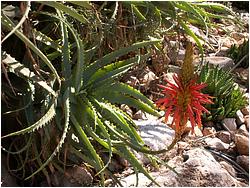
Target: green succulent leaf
{"x": 83, "y": 137}
{"x": 39, "y": 36}
{"x": 19, "y": 69}
{"x": 191, "y": 33}
{"x": 220, "y": 85}
{"x": 65, "y": 131}
{"x": 84, "y": 4}
{"x": 124, "y": 152}
{"x": 138, "y": 13}
{"x": 113, "y": 56}
{"x": 45, "y": 119}
{"x": 69, "y": 10}
{"x": 10, "y": 25}
{"x": 128, "y": 90}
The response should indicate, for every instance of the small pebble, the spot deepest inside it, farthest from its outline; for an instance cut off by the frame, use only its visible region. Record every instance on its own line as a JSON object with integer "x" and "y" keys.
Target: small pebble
{"x": 224, "y": 136}
{"x": 239, "y": 118}
{"x": 209, "y": 131}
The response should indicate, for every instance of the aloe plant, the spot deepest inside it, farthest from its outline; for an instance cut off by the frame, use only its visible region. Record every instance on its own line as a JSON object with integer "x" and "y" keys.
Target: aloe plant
{"x": 81, "y": 101}
{"x": 227, "y": 99}
{"x": 159, "y": 18}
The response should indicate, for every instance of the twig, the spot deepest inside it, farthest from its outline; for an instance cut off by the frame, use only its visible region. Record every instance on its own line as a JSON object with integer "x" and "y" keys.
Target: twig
{"x": 221, "y": 155}
{"x": 7, "y": 78}
{"x": 237, "y": 64}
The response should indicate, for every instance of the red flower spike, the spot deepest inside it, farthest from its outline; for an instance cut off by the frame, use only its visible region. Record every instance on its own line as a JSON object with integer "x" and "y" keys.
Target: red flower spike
{"x": 184, "y": 103}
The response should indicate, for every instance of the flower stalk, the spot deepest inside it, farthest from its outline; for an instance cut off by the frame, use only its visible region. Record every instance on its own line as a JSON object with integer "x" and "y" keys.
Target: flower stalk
{"x": 183, "y": 99}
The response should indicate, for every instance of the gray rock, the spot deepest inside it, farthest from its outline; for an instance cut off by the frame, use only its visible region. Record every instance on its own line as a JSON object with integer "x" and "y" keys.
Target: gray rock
{"x": 224, "y": 136}
{"x": 243, "y": 161}
{"x": 217, "y": 144}
{"x": 223, "y": 62}
{"x": 230, "y": 124}
{"x": 155, "y": 134}
{"x": 200, "y": 170}
{"x": 239, "y": 118}
{"x": 173, "y": 68}
{"x": 242, "y": 144}
{"x": 223, "y": 51}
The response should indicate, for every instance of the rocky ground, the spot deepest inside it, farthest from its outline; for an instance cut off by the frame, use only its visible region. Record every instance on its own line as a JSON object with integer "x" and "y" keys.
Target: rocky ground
{"x": 212, "y": 156}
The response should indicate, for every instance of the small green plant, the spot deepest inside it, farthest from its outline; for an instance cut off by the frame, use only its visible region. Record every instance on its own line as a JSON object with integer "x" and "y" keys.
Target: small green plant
{"x": 240, "y": 54}
{"x": 227, "y": 99}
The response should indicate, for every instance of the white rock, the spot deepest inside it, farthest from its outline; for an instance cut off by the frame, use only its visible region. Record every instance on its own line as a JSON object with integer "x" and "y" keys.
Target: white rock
{"x": 202, "y": 170}
{"x": 230, "y": 123}
{"x": 147, "y": 78}
{"x": 139, "y": 115}
{"x": 132, "y": 81}
{"x": 169, "y": 76}
{"x": 224, "y": 136}
{"x": 239, "y": 118}
{"x": 175, "y": 161}
{"x": 127, "y": 109}
{"x": 224, "y": 62}
{"x": 216, "y": 143}
{"x": 182, "y": 145}
{"x": 197, "y": 132}
{"x": 155, "y": 134}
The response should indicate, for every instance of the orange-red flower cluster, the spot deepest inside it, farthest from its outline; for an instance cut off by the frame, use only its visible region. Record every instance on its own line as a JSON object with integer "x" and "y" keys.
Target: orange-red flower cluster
{"x": 183, "y": 102}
